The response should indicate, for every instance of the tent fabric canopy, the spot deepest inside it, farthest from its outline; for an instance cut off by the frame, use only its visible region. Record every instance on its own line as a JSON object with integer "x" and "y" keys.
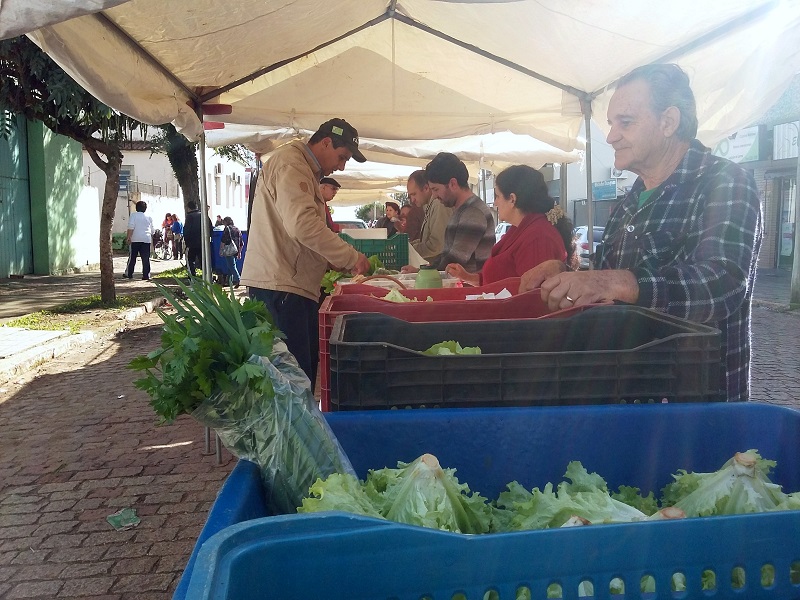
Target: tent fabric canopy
{"x": 390, "y": 162}
{"x": 414, "y": 69}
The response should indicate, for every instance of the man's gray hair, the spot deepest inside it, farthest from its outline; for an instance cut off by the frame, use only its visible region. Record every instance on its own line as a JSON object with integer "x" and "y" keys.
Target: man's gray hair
{"x": 669, "y": 86}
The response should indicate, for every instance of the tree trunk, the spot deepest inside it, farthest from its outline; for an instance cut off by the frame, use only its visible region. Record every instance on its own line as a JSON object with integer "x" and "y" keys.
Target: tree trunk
{"x": 182, "y": 156}
{"x": 111, "y": 167}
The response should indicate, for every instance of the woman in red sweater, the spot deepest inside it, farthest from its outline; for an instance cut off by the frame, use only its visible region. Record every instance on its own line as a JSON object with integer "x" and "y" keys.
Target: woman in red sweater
{"x": 540, "y": 230}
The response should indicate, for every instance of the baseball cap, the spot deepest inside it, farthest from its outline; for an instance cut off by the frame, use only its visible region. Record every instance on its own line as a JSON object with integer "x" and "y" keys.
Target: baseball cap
{"x": 330, "y": 181}
{"x": 339, "y": 128}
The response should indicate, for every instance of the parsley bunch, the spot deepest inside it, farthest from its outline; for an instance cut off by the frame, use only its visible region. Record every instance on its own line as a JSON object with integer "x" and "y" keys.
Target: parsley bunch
{"x": 205, "y": 349}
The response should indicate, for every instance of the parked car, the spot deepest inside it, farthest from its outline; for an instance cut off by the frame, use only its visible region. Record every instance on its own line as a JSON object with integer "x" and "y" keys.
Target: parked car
{"x": 582, "y": 244}
{"x": 500, "y": 230}
{"x": 354, "y": 224}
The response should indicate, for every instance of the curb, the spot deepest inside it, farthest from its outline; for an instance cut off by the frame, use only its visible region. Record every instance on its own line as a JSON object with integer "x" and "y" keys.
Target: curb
{"x": 774, "y": 306}
{"x": 9, "y": 367}
{"x": 148, "y": 307}
{"x": 28, "y": 359}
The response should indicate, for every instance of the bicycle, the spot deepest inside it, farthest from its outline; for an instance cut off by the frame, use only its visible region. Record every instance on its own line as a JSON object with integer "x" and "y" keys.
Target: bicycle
{"x": 161, "y": 249}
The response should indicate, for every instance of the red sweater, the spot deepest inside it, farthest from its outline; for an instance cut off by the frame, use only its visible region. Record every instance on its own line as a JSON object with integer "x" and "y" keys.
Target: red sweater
{"x": 523, "y": 247}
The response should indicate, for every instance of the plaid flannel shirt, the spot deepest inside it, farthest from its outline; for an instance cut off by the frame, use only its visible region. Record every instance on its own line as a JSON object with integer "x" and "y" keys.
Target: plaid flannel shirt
{"x": 693, "y": 248}
{"x": 469, "y": 236}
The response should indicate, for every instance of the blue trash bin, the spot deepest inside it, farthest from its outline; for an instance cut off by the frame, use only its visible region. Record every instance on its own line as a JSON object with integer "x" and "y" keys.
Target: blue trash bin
{"x": 218, "y": 264}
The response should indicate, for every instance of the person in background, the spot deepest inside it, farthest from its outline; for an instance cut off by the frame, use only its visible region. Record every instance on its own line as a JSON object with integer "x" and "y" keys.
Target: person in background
{"x": 540, "y": 230}
{"x": 685, "y": 239}
{"x": 166, "y": 229}
{"x": 140, "y": 235}
{"x": 469, "y": 236}
{"x": 289, "y": 245}
{"x": 177, "y": 237}
{"x": 430, "y": 242}
{"x": 390, "y": 218}
{"x": 410, "y": 221}
{"x": 328, "y": 187}
{"x": 193, "y": 238}
{"x": 230, "y": 234}
{"x": 219, "y": 222}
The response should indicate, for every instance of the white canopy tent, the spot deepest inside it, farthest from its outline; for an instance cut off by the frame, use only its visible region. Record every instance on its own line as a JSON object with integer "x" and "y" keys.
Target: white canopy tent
{"x": 390, "y": 162}
{"x": 413, "y": 69}
{"x": 492, "y": 151}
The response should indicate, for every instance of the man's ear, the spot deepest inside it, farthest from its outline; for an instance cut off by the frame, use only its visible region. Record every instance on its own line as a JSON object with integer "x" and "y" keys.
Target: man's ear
{"x": 670, "y": 121}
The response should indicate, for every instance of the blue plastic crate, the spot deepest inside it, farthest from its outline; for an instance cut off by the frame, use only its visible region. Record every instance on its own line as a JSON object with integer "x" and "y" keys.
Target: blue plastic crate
{"x": 342, "y": 556}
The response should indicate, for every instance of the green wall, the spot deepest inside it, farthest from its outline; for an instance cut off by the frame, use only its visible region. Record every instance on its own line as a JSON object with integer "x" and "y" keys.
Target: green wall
{"x": 55, "y": 167}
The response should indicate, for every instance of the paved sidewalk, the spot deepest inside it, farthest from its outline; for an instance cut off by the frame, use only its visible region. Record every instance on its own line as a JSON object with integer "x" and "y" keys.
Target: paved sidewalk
{"x": 37, "y": 292}
{"x": 80, "y": 442}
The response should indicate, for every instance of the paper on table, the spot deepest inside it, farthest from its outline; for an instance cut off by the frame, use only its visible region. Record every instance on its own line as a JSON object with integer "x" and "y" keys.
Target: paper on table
{"x": 501, "y": 295}
{"x": 414, "y": 259}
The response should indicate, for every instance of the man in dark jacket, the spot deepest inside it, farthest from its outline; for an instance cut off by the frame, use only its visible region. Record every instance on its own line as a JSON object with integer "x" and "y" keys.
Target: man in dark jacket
{"x": 193, "y": 238}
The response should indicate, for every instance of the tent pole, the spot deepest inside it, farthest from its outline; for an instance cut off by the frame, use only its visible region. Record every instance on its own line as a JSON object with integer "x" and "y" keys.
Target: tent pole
{"x": 586, "y": 108}
{"x": 204, "y": 232}
{"x": 563, "y": 194}
{"x": 794, "y": 290}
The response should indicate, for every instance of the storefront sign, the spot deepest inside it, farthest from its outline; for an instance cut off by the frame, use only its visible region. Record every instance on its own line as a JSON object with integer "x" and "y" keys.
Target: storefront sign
{"x": 784, "y": 140}
{"x": 742, "y": 146}
{"x": 604, "y": 190}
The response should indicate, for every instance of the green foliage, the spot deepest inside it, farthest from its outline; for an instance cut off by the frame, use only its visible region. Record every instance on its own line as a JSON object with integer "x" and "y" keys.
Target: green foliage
{"x": 32, "y": 84}
{"x": 366, "y": 212}
{"x": 205, "y": 349}
{"x": 238, "y": 153}
{"x": 401, "y": 198}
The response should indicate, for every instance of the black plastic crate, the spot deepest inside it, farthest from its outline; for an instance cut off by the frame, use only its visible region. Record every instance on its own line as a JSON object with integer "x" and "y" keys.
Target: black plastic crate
{"x": 604, "y": 355}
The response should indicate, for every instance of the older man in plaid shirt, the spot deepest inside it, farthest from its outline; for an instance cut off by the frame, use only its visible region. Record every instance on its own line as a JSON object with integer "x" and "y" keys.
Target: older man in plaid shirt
{"x": 685, "y": 240}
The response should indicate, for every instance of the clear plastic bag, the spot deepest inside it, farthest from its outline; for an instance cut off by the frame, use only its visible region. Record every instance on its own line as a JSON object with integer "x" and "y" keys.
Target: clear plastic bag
{"x": 286, "y": 436}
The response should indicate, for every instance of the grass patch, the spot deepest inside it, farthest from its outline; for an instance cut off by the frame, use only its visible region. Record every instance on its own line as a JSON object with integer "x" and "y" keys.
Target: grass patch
{"x": 46, "y": 320}
{"x": 58, "y": 317}
{"x": 95, "y": 301}
{"x": 179, "y": 272}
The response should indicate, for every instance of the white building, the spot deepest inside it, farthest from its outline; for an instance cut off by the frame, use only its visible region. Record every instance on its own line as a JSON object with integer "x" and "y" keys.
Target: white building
{"x": 150, "y": 178}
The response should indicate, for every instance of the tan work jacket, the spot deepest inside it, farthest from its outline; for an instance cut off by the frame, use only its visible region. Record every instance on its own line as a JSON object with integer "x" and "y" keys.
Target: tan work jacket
{"x": 289, "y": 244}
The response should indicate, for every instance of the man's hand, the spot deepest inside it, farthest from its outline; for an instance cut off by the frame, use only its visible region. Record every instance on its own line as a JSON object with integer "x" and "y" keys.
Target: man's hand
{"x": 362, "y": 266}
{"x": 409, "y": 269}
{"x": 533, "y": 278}
{"x": 589, "y": 287}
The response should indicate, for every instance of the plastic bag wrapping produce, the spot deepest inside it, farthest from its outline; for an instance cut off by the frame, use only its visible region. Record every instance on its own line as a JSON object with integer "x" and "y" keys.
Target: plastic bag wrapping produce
{"x": 222, "y": 361}
{"x": 286, "y": 436}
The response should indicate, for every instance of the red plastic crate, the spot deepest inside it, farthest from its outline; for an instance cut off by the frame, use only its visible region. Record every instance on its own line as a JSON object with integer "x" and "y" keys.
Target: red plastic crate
{"x": 451, "y": 293}
{"x": 522, "y": 306}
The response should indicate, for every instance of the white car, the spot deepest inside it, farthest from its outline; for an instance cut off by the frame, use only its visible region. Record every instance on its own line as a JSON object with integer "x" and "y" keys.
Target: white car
{"x": 500, "y": 230}
{"x": 582, "y": 244}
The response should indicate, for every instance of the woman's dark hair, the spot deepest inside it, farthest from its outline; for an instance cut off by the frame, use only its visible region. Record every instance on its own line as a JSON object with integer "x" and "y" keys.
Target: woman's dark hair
{"x": 228, "y": 221}
{"x": 530, "y": 188}
{"x": 141, "y": 206}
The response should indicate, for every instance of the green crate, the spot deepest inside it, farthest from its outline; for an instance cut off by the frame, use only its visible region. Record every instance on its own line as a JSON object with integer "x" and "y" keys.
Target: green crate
{"x": 393, "y": 252}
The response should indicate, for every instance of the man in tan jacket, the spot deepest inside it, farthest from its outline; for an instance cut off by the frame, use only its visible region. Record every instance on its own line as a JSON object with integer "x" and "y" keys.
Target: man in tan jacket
{"x": 290, "y": 245}
{"x": 437, "y": 216}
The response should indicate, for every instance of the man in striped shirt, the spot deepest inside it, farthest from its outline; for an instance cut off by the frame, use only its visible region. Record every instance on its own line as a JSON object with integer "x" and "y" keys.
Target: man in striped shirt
{"x": 469, "y": 236}
{"x": 685, "y": 239}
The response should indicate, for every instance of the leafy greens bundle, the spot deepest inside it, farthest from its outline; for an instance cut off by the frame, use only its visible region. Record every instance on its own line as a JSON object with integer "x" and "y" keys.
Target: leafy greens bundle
{"x": 224, "y": 363}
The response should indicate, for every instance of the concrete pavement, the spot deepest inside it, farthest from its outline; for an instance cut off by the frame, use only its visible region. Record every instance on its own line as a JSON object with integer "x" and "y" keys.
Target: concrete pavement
{"x": 78, "y": 442}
